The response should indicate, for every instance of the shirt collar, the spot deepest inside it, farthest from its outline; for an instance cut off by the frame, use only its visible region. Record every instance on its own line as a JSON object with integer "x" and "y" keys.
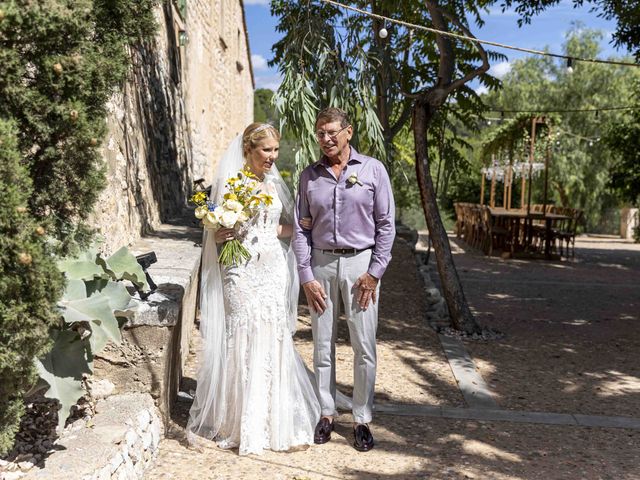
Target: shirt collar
{"x": 354, "y": 157}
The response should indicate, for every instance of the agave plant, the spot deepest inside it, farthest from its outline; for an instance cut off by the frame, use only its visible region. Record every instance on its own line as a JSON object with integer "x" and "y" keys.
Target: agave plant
{"x": 92, "y": 308}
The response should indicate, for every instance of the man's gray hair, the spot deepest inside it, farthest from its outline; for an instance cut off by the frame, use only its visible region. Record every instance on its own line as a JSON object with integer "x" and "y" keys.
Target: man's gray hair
{"x": 333, "y": 114}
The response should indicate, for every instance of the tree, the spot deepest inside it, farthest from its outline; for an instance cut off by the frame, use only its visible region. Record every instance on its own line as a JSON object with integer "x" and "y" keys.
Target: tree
{"x": 623, "y": 137}
{"x": 262, "y": 106}
{"x": 627, "y": 14}
{"x": 581, "y": 163}
{"x": 29, "y": 287}
{"x": 328, "y": 58}
{"x": 61, "y": 62}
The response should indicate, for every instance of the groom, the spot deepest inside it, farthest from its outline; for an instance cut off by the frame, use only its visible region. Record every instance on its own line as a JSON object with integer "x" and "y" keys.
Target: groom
{"x": 348, "y": 196}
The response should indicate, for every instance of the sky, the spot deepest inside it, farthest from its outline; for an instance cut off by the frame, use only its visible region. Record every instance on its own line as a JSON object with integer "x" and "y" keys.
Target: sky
{"x": 547, "y": 29}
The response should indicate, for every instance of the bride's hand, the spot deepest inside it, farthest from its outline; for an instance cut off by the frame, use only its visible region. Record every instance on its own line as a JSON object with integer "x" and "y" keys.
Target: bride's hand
{"x": 306, "y": 223}
{"x": 224, "y": 234}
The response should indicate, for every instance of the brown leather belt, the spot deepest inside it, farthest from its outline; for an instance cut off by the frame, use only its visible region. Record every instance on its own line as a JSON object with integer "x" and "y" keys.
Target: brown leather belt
{"x": 341, "y": 251}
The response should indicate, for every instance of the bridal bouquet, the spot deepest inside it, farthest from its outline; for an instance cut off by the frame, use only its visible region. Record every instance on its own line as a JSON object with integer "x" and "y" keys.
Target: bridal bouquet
{"x": 239, "y": 204}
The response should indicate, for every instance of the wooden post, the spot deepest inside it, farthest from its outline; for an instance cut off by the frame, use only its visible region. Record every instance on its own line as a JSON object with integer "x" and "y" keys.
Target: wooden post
{"x": 509, "y": 177}
{"x": 546, "y": 169}
{"x": 522, "y": 180}
{"x": 482, "y": 189}
{"x": 531, "y": 158}
{"x": 492, "y": 197}
{"x": 505, "y": 185}
{"x": 510, "y": 191}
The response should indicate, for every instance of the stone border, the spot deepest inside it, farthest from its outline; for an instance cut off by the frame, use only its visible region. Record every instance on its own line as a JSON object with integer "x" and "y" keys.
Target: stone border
{"x": 471, "y": 384}
{"x": 500, "y": 415}
{"x": 119, "y": 443}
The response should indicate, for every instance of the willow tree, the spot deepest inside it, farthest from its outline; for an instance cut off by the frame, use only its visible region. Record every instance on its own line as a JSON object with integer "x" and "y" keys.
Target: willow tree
{"x": 329, "y": 56}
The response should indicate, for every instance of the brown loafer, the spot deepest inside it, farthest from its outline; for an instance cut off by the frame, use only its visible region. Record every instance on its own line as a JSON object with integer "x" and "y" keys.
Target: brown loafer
{"x": 323, "y": 431}
{"x": 363, "y": 440}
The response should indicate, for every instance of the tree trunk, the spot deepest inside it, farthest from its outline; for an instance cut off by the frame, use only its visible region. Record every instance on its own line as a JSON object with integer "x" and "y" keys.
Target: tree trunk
{"x": 562, "y": 193}
{"x": 461, "y": 316}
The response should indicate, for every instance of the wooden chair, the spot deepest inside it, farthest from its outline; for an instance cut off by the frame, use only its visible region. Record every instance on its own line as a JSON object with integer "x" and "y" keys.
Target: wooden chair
{"x": 566, "y": 234}
{"x": 495, "y": 235}
{"x": 459, "y": 219}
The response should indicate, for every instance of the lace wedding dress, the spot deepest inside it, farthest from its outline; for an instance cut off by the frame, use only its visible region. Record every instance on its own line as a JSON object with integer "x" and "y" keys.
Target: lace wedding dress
{"x": 269, "y": 400}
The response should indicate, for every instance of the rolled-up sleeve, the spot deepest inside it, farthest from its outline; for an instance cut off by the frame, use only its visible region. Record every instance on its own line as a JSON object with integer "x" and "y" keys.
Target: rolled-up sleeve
{"x": 302, "y": 238}
{"x": 385, "y": 229}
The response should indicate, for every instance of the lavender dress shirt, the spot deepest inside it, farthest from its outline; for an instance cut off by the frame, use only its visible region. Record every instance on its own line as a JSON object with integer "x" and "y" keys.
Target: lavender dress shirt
{"x": 345, "y": 215}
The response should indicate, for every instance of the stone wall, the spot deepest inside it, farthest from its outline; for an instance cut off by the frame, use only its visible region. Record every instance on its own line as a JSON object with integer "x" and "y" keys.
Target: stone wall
{"x": 190, "y": 92}
{"x": 120, "y": 442}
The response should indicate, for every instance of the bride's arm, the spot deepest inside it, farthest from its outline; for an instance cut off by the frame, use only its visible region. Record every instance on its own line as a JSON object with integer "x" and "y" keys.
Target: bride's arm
{"x": 286, "y": 230}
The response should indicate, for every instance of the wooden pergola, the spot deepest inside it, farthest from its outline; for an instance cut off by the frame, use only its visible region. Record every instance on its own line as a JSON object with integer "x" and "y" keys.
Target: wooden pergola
{"x": 516, "y": 138}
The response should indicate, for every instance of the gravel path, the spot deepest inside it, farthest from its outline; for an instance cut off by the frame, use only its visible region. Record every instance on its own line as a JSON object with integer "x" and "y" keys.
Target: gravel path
{"x": 570, "y": 346}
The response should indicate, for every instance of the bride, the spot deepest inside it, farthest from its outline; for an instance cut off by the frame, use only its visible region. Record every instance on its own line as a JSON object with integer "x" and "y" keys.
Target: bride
{"x": 253, "y": 390}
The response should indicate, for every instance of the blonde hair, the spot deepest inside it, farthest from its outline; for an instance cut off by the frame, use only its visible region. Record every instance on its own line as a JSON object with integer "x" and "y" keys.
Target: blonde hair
{"x": 255, "y": 133}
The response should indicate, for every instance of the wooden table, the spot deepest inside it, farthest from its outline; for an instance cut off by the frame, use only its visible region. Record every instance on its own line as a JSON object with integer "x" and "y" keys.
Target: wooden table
{"x": 515, "y": 215}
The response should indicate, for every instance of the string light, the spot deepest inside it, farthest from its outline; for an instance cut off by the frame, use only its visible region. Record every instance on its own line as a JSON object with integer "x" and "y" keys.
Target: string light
{"x": 569, "y": 65}
{"x": 629, "y": 107}
{"x": 477, "y": 40}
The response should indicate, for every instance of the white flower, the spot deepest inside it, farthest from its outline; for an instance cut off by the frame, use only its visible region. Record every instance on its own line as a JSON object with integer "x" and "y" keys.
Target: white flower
{"x": 353, "y": 179}
{"x": 219, "y": 210}
{"x": 234, "y": 205}
{"x": 210, "y": 220}
{"x": 243, "y": 217}
{"x": 229, "y": 219}
{"x": 201, "y": 211}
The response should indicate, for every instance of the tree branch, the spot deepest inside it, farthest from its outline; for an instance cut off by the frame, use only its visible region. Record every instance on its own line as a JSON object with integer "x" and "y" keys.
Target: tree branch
{"x": 447, "y": 55}
{"x": 402, "y": 119}
{"x": 481, "y": 51}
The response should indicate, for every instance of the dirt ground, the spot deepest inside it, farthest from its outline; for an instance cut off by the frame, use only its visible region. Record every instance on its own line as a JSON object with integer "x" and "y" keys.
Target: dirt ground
{"x": 570, "y": 345}
{"x": 572, "y": 328}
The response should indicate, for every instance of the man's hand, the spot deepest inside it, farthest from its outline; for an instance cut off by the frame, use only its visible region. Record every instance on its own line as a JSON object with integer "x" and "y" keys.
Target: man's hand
{"x": 306, "y": 223}
{"x": 366, "y": 290}
{"x": 315, "y": 296}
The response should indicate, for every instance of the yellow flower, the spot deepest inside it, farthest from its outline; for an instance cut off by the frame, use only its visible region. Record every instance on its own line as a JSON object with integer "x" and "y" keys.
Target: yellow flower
{"x": 230, "y": 196}
{"x": 199, "y": 198}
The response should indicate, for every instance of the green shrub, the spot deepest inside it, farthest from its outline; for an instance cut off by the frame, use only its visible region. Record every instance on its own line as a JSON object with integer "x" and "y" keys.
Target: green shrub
{"x": 30, "y": 284}
{"x": 61, "y": 62}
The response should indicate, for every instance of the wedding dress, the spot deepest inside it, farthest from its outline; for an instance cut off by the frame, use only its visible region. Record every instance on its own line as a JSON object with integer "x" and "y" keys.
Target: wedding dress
{"x": 271, "y": 403}
{"x": 254, "y": 391}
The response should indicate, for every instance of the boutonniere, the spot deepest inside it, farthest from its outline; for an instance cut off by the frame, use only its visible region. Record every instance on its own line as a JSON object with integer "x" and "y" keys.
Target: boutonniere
{"x": 353, "y": 179}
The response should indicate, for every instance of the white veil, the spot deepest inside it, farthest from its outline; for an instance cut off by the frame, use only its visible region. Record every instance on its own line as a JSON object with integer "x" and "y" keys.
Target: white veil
{"x": 208, "y": 410}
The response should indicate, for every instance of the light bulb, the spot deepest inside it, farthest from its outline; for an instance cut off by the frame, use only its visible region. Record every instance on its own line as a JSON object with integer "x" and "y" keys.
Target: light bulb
{"x": 383, "y": 32}
{"x": 569, "y": 65}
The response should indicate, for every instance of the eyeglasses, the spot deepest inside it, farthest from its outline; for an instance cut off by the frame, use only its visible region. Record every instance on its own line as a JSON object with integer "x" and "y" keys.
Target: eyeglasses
{"x": 321, "y": 133}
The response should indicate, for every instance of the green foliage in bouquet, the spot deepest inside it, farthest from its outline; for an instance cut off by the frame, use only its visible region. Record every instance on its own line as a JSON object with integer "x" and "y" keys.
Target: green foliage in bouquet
{"x": 30, "y": 284}
{"x": 93, "y": 301}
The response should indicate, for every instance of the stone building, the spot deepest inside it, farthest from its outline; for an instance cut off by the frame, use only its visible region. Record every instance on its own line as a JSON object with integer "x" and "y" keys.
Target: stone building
{"x": 189, "y": 93}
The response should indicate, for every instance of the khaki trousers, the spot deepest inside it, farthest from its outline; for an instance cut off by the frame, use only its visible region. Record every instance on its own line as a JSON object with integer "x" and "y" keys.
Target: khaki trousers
{"x": 337, "y": 274}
